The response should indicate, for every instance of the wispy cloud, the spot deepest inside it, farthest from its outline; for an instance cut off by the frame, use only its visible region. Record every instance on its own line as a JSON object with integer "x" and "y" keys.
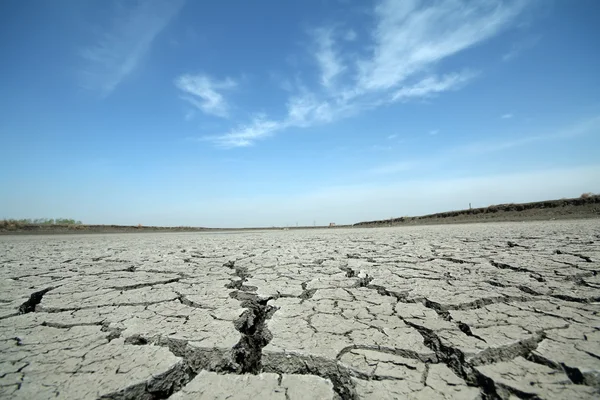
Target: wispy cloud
{"x": 410, "y": 37}
{"x": 393, "y": 136}
{"x": 246, "y": 135}
{"x": 408, "y": 41}
{"x": 202, "y": 92}
{"x": 507, "y": 116}
{"x": 520, "y": 47}
{"x": 434, "y": 132}
{"x": 121, "y": 47}
{"x": 327, "y": 57}
{"x": 433, "y": 85}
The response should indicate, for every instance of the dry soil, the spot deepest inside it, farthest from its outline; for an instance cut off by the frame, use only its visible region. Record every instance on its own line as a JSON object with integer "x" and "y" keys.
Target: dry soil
{"x": 499, "y": 310}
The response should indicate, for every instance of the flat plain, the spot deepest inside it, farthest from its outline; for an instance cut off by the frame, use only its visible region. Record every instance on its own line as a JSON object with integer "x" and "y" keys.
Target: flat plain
{"x": 498, "y": 310}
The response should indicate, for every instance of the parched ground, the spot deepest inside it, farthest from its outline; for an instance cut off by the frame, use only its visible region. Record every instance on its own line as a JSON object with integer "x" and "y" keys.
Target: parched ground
{"x": 507, "y": 310}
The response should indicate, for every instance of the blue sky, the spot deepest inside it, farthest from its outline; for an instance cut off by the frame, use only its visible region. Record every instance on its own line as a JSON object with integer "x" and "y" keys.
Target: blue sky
{"x": 265, "y": 113}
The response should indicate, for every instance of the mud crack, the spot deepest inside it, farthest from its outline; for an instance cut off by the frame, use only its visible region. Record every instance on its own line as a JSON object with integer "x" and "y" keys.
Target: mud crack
{"x": 583, "y": 257}
{"x": 508, "y": 266}
{"x": 293, "y": 363}
{"x": 34, "y": 299}
{"x": 247, "y": 353}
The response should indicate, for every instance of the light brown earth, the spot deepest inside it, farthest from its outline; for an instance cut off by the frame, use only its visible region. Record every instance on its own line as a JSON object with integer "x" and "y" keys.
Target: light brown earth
{"x": 499, "y": 310}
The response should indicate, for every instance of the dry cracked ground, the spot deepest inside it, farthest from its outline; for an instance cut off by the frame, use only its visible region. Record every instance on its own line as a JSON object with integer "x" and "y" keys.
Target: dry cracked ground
{"x": 442, "y": 312}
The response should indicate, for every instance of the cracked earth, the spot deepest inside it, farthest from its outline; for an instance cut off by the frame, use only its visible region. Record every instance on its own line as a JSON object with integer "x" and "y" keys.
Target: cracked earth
{"x": 488, "y": 311}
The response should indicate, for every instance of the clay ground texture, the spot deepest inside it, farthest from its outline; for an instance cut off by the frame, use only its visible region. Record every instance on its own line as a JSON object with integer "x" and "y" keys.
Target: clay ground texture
{"x": 505, "y": 310}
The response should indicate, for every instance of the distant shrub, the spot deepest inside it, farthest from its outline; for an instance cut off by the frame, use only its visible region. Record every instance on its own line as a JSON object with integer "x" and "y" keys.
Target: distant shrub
{"x": 14, "y": 223}
{"x": 586, "y": 195}
{"x": 66, "y": 221}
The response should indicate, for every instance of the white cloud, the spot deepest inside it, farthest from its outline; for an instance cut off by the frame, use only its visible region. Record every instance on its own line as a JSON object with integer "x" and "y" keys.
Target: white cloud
{"x": 123, "y": 45}
{"x": 394, "y": 136}
{"x": 327, "y": 57}
{"x": 408, "y": 42}
{"x": 244, "y": 136}
{"x": 306, "y": 110}
{"x": 203, "y": 93}
{"x": 413, "y": 35}
{"x": 433, "y": 85}
{"x": 507, "y": 116}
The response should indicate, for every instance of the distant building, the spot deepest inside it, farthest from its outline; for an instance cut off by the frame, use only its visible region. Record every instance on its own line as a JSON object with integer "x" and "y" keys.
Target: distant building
{"x": 331, "y": 224}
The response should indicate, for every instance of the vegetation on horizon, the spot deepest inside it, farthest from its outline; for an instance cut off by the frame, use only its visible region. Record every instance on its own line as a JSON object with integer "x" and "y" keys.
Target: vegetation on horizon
{"x": 39, "y": 221}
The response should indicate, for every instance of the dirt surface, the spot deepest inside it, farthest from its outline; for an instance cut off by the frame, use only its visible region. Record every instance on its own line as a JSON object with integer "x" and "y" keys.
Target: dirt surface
{"x": 499, "y": 310}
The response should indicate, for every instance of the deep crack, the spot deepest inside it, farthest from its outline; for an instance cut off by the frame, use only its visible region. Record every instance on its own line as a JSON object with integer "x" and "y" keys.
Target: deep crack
{"x": 508, "y": 266}
{"x": 247, "y": 353}
{"x": 466, "y": 329}
{"x": 34, "y": 299}
{"x": 583, "y": 257}
{"x": 292, "y": 363}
